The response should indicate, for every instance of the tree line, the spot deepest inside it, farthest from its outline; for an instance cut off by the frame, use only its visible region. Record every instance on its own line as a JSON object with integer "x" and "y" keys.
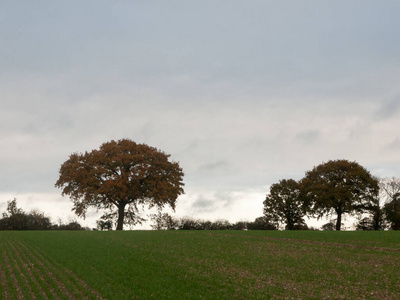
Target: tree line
{"x": 335, "y": 188}
{"x": 122, "y": 176}
{"x": 15, "y": 218}
{"x": 164, "y": 221}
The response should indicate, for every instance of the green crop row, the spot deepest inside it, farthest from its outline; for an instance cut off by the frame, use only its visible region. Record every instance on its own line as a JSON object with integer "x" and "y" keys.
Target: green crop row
{"x": 200, "y": 265}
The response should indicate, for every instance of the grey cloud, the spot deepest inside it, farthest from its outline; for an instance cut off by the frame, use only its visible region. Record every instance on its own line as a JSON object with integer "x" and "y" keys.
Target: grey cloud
{"x": 308, "y": 136}
{"x": 394, "y": 145}
{"x": 213, "y": 202}
{"x": 203, "y": 204}
{"x": 389, "y": 109}
{"x": 241, "y": 94}
{"x": 262, "y": 43}
{"x": 217, "y": 166}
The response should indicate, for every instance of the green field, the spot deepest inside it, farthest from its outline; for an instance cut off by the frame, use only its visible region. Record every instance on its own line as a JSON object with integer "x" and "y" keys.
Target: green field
{"x": 199, "y": 265}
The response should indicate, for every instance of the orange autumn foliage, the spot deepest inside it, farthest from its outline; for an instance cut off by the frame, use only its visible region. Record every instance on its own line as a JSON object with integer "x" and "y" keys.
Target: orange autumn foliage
{"x": 121, "y": 174}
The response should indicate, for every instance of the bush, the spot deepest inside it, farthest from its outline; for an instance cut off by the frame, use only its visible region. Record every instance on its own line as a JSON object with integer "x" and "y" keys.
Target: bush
{"x": 15, "y": 218}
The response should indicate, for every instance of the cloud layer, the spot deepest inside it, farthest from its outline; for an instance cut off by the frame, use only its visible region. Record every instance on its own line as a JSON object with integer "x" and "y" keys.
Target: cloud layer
{"x": 241, "y": 94}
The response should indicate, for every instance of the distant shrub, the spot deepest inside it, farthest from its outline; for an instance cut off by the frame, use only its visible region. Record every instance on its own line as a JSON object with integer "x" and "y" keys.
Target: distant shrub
{"x": 15, "y": 218}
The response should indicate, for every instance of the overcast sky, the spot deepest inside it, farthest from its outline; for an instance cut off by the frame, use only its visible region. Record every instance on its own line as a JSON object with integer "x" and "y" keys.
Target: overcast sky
{"x": 240, "y": 93}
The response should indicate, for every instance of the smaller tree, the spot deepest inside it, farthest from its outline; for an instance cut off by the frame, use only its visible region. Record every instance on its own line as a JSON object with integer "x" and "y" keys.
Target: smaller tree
{"x": 241, "y": 225}
{"x": 221, "y": 225}
{"x": 73, "y": 225}
{"x": 15, "y": 218}
{"x": 366, "y": 223}
{"x": 12, "y": 208}
{"x": 38, "y": 221}
{"x": 329, "y": 226}
{"x": 104, "y": 225}
{"x": 390, "y": 193}
{"x": 187, "y": 223}
{"x": 205, "y": 224}
{"x": 375, "y": 219}
{"x": 261, "y": 223}
{"x": 163, "y": 221}
{"x": 392, "y": 211}
{"x": 389, "y": 188}
{"x": 283, "y": 205}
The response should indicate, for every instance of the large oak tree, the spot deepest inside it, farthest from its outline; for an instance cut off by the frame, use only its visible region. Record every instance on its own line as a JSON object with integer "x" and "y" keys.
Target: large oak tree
{"x": 123, "y": 176}
{"x": 339, "y": 186}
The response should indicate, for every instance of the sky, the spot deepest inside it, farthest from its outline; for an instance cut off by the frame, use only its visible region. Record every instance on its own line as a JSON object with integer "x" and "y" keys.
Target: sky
{"x": 241, "y": 93}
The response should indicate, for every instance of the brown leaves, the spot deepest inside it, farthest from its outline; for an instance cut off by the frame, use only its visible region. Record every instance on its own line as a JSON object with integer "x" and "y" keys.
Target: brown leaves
{"x": 120, "y": 172}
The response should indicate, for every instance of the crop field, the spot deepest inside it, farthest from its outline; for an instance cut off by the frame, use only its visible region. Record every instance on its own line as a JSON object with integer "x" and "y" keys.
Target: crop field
{"x": 199, "y": 265}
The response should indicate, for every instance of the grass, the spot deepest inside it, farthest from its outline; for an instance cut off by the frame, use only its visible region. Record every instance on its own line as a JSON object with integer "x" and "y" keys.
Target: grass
{"x": 200, "y": 265}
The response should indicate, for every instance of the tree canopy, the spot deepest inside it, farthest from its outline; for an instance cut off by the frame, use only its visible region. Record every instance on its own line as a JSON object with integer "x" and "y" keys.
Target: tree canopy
{"x": 389, "y": 188}
{"x": 15, "y": 218}
{"x": 283, "y": 205}
{"x": 392, "y": 211}
{"x": 121, "y": 175}
{"x": 339, "y": 186}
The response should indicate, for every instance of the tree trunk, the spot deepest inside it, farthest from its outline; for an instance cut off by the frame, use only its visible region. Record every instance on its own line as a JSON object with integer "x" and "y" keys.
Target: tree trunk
{"x": 121, "y": 215}
{"x": 290, "y": 225}
{"x": 377, "y": 218}
{"x": 339, "y": 220}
